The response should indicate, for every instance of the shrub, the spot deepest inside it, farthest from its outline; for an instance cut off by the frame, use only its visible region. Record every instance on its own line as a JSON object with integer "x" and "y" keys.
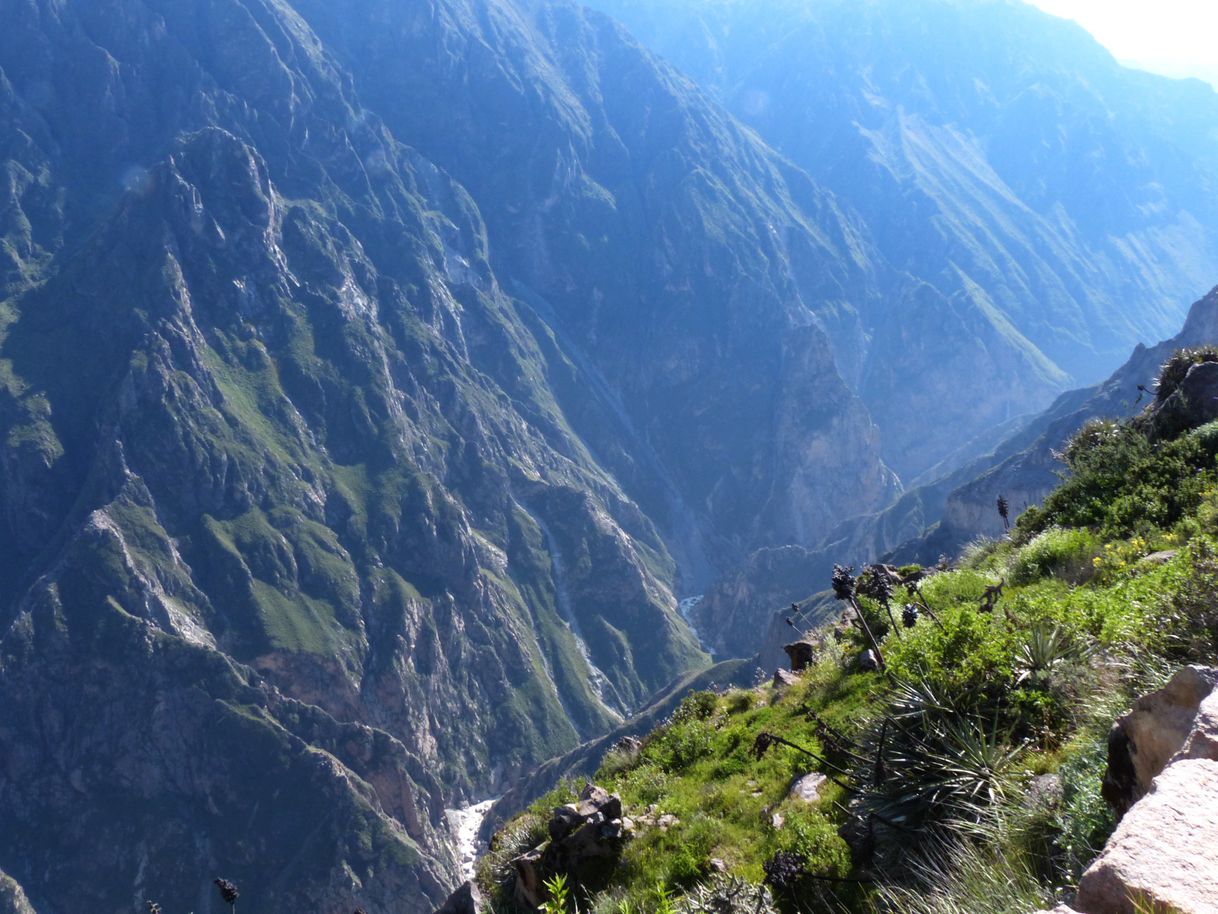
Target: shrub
{"x": 1056, "y": 551}
{"x": 815, "y": 841}
{"x": 727, "y": 895}
{"x": 1087, "y": 820}
{"x": 696, "y": 706}
{"x": 680, "y": 744}
{"x": 1120, "y": 484}
{"x": 1191, "y": 619}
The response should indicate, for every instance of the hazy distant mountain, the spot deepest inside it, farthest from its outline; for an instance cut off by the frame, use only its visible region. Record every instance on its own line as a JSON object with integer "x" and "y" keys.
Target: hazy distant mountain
{"x": 1058, "y": 207}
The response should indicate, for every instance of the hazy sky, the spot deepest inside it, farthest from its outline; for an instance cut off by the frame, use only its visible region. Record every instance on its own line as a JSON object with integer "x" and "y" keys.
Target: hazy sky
{"x": 1173, "y": 37}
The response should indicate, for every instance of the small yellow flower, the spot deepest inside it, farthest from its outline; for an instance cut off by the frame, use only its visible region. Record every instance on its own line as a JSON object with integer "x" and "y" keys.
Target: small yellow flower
{"x": 1097, "y": 561}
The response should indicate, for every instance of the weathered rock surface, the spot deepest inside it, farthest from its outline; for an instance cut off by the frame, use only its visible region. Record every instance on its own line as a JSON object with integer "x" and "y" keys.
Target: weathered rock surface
{"x": 1163, "y": 852}
{"x": 586, "y": 839}
{"x": 12, "y": 897}
{"x": 1143, "y": 740}
{"x": 784, "y": 679}
{"x": 1163, "y": 776}
{"x": 1191, "y": 405}
{"x": 462, "y": 901}
{"x": 807, "y": 787}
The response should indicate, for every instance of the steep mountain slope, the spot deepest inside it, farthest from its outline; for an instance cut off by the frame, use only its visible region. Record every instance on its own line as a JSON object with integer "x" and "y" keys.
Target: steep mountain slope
{"x": 747, "y": 611}
{"x": 335, "y": 490}
{"x": 1057, "y": 207}
{"x": 688, "y": 269}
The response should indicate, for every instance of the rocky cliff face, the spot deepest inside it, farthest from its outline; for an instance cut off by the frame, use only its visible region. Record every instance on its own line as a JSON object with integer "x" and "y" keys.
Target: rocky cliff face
{"x": 1050, "y": 206}
{"x": 359, "y": 381}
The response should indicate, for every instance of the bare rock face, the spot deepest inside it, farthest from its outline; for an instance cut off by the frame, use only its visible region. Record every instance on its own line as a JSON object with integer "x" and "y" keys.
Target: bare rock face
{"x": 12, "y": 897}
{"x": 1191, "y": 405}
{"x": 586, "y": 840}
{"x": 1143, "y": 741}
{"x": 461, "y": 901}
{"x": 1163, "y": 778}
{"x": 1162, "y": 852}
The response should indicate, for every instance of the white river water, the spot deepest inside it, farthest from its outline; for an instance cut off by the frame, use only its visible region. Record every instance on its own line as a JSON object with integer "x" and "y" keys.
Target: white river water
{"x": 465, "y": 823}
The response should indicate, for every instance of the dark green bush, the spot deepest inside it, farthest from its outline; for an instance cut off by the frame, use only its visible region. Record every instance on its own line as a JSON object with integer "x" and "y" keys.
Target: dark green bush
{"x": 696, "y": 706}
{"x": 1120, "y": 484}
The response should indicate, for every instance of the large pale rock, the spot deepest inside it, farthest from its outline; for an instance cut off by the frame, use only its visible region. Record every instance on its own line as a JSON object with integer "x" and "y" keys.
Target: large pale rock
{"x": 1164, "y": 849}
{"x": 1202, "y": 742}
{"x": 807, "y": 788}
{"x": 1144, "y": 739}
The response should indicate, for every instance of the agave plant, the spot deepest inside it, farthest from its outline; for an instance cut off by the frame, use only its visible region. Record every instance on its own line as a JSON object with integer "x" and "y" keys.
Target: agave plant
{"x": 936, "y": 765}
{"x": 1046, "y": 648}
{"x": 727, "y": 895}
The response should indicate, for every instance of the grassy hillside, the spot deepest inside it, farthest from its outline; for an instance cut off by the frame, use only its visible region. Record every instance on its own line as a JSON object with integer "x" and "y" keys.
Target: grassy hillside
{"x": 964, "y": 773}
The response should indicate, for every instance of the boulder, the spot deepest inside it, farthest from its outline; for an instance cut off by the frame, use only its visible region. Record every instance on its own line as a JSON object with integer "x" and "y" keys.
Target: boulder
{"x": 1202, "y": 741}
{"x": 1162, "y": 853}
{"x": 801, "y": 654}
{"x": 784, "y": 679}
{"x": 461, "y": 901}
{"x": 868, "y": 661}
{"x": 1143, "y": 740}
{"x": 586, "y": 839}
{"x": 1191, "y": 405}
{"x": 1159, "y": 558}
{"x": 807, "y": 787}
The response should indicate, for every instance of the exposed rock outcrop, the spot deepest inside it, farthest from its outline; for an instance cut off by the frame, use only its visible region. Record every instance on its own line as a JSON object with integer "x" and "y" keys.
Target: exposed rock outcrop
{"x": 586, "y": 839}
{"x": 801, "y": 653}
{"x": 12, "y": 897}
{"x": 1191, "y": 405}
{"x": 1163, "y": 851}
{"x": 1144, "y": 739}
{"x": 462, "y": 901}
{"x": 1163, "y": 776}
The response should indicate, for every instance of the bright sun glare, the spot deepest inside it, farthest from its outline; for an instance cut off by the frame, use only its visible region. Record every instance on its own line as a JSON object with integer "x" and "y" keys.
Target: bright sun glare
{"x": 1172, "y": 37}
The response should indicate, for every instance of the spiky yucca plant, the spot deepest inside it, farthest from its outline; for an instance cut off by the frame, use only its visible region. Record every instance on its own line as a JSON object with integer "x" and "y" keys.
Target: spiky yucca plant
{"x": 942, "y": 768}
{"x": 1047, "y": 647}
